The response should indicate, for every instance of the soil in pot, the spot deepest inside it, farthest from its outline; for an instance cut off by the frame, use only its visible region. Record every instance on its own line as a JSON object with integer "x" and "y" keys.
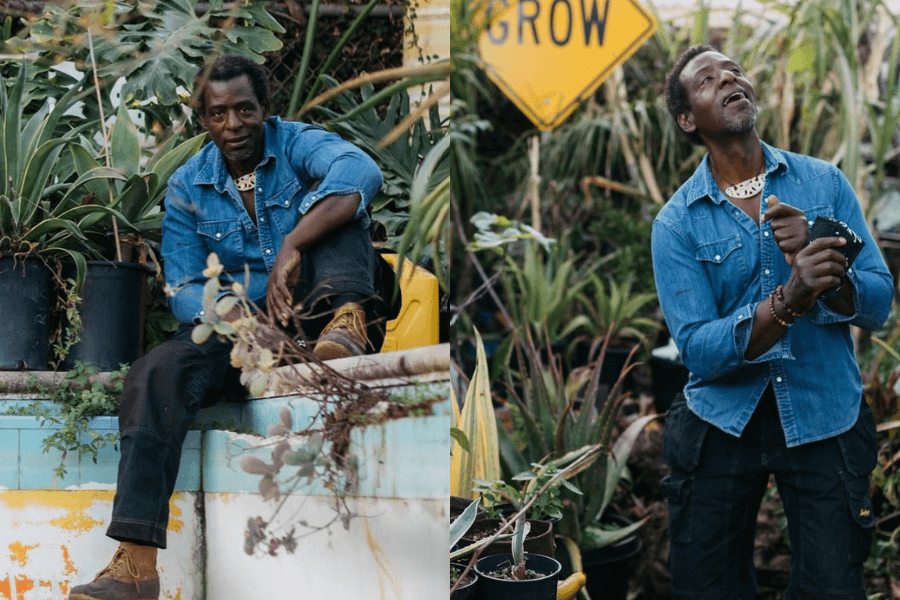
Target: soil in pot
{"x": 539, "y": 540}
{"x": 468, "y": 589}
{"x": 494, "y": 584}
{"x": 25, "y": 298}
{"x": 112, "y": 310}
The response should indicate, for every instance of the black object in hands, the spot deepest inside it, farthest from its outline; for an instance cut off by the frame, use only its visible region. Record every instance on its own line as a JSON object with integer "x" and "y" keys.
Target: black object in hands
{"x": 830, "y": 227}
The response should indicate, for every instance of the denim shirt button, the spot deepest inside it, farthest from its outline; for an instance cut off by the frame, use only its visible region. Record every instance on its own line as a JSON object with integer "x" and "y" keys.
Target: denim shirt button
{"x": 767, "y": 271}
{"x": 778, "y": 379}
{"x": 718, "y": 257}
{"x": 218, "y": 235}
{"x": 810, "y": 223}
{"x": 766, "y": 233}
{"x": 268, "y": 251}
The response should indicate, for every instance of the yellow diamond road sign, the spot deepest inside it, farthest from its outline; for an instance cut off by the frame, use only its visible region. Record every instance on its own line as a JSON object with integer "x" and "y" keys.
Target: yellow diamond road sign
{"x": 550, "y": 55}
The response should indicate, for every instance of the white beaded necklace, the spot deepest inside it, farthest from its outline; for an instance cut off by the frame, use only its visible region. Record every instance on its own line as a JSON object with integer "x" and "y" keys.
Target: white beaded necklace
{"x": 246, "y": 182}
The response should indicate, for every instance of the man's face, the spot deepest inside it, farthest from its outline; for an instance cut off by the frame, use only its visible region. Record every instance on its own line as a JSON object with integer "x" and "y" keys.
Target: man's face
{"x": 722, "y": 99}
{"x": 234, "y": 119}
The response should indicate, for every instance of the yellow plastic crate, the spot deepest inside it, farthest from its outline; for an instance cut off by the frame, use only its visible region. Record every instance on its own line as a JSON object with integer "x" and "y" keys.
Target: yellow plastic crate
{"x": 417, "y": 324}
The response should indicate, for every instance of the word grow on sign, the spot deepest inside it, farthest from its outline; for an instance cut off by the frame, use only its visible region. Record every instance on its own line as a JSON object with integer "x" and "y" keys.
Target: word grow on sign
{"x": 549, "y": 55}
{"x": 560, "y": 20}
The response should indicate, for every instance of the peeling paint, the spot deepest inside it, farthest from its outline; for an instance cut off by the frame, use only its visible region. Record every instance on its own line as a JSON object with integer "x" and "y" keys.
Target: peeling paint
{"x": 5, "y": 589}
{"x": 77, "y": 522}
{"x": 19, "y": 553}
{"x": 80, "y": 500}
{"x": 175, "y": 522}
{"x": 23, "y": 584}
{"x": 70, "y": 566}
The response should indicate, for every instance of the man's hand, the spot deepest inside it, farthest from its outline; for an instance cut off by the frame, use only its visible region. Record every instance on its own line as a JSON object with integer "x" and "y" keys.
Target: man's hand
{"x": 789, "y": 227}
{"x": 817, "y": 267}
{"x": 281, "y": 284}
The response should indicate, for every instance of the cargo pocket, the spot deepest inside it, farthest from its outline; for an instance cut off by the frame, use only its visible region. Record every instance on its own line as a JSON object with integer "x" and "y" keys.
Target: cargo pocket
{"x": 677, "y": 490}
{"x": 859, "y": 444}
{"x": 683, "y": 436}
{"x": 862, "y": 530}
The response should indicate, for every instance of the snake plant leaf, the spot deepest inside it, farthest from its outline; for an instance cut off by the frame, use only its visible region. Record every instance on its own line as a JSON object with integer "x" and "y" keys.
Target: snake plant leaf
{"x": 478, "y": 422}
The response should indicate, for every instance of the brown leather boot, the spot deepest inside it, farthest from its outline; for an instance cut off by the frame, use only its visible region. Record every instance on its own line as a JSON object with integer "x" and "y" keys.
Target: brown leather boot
{"x": 345, "y": 335}
{"x": 130, "y": 575}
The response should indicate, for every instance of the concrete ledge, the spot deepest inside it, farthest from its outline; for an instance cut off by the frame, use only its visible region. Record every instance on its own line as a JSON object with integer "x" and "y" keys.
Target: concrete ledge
{"x": 428, "y": 363}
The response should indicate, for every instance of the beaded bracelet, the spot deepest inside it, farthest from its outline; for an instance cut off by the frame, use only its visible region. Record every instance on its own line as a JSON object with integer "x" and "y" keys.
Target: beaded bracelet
{"x": 778, "y": 319}
{"x": 793, "y": 313}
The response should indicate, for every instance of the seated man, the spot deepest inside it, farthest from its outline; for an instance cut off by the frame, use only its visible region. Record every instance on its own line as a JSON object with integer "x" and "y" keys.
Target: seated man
{"x": 286, "y": 201}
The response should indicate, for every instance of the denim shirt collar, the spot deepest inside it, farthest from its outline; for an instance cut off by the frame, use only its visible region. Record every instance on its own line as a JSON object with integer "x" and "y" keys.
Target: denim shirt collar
{"x": 214, "y": 172}
{"x": 702, "y": 184}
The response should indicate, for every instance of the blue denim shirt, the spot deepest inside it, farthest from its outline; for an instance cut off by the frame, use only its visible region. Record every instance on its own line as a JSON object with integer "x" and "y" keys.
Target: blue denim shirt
{"x": 204, "y": 212}
{"x": 713, "y": 265}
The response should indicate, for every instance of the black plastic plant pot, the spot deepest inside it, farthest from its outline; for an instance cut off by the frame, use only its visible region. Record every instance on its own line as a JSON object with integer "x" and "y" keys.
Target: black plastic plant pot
{"x": 112, "y": 310}
{"x": 496, "y": 588}
{"x": 25, "y": 296}
{"x": 468, "y": 589}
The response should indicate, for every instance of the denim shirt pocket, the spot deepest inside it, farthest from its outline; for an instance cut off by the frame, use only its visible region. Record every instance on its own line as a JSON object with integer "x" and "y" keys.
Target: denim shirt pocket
{"x": 284, "y": 205}
{"x": 226, "y": 239}
{"x": 726, "y": 265}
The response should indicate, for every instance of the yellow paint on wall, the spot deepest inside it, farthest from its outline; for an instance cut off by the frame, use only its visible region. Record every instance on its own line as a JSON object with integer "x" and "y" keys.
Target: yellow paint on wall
{"x": 75, "y": 503}
{"x": 175, "y": 523}
{"x": 19, "y": 553}
{"x": 67, "y": 499}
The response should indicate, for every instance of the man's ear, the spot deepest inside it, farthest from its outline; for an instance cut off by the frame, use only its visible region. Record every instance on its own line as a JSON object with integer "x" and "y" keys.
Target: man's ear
{"x": 686, "y": 122}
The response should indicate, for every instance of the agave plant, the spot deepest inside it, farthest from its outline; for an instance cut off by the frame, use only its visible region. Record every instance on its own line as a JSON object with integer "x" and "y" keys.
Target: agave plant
{"x": 125, "y": 193}
{"x": 33, "y": 176}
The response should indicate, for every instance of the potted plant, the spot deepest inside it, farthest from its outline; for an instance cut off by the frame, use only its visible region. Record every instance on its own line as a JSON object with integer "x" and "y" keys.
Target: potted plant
{"x": 128, "y": 200}
{"x": 518, "y": 575}
{"x": 467, "y": 588}
{"x": 555, "y": 415}
{"x": 612, "y": 311}
{"x": 35, "y": 228}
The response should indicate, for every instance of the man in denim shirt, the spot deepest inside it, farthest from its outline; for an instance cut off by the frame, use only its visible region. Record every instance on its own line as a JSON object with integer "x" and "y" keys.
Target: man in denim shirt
{"x": 774, "y": 385}
{"x": 285, "y": 201}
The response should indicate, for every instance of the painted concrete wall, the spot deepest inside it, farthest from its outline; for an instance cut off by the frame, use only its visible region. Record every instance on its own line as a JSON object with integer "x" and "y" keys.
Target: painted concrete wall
{"x": 52, "y": 531}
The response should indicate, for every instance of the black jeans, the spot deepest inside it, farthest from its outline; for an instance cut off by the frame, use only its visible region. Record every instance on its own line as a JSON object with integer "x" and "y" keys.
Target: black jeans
{"x": 717, "y": 484}
{"x": 165, "y": 388}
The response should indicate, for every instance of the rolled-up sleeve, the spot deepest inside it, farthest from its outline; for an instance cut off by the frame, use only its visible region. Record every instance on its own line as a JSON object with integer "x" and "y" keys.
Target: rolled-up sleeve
{"x": 711, "y": 344}
{"x": 873, "y": 287}
{"x": 340, "y": 168}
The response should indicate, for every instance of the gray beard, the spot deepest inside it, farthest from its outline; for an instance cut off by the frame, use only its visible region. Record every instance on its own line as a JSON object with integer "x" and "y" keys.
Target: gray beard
{"x": 743, "y": 122}
{"x": 239, "y": 156}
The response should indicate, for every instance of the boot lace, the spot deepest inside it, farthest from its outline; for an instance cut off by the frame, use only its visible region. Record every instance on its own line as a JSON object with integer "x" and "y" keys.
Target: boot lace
{"x": 122, "y": 556}
{"x": 350, "y": 319}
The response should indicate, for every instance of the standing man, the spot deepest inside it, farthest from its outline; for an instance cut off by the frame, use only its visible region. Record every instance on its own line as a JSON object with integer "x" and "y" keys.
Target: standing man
{"x": 285, "y": 201}
{"x": 774, "y": 385}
